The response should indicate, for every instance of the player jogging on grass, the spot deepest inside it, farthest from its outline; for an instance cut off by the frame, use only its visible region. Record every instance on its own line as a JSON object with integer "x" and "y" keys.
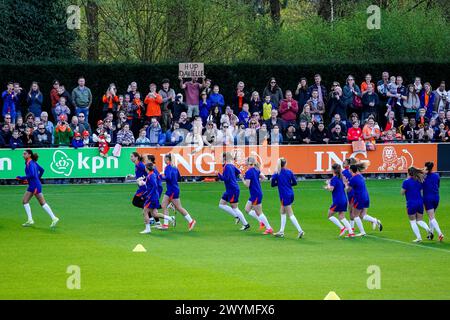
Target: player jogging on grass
{"x": 232, "y": 191}
{"x": 431, "y": 186}
{"x": 412, "y": 190}
{"x": 151, "y": 204}
{"x": 33, "y": 172}
{"x": 140, "y": 173}
{"x": 337, "y": 187}
{"x": 254, "y": 205}
{"x": 172, "y": 195}
{"x": 350, "y": 196}
{"x": 361, "y": 202}
{"x": 284, "y": 179}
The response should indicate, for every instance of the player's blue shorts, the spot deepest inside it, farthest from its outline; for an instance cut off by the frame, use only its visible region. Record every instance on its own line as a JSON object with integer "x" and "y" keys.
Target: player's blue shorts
{"x": 255, "y": 199}
{"x": 413, "y": 208}
{"x": 35, "y": 188}
{"x": 431, "y": 203}
{"x": 152, "y": 204}
{"x": 361, "y": 203}
{"x": 351, "y": 198}
{"x": 140, "y": 192}
{"x": 287, "y": 200}
{"x": 173, "y": 194}
{"x": 338, "y": 207}
{"x": 231, "y": 196}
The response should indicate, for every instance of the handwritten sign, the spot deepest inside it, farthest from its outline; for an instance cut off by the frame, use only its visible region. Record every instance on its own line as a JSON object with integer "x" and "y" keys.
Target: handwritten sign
{"x": 191, "y": 70}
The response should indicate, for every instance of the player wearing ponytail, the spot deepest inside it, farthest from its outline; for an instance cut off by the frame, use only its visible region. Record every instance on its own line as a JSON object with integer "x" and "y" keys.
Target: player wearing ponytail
{"x": 284, "y": 179}
{"x": 412, "y": 190}
{"x": 33, "y": 173}
{"x": 431, "y": 186}
{"x": 337, "y": 187}
{"x": 361, "y": 202}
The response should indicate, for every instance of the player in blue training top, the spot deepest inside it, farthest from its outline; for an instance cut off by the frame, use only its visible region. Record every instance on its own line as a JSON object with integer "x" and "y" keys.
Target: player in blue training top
{"x": 151, "y": 203}
{"x": 337, "y": 187}
{"x": 412, "y": 190}
{"x": 350, "y": 197}
{"x": 284, "y": 179}
{"x": 172, "y": 195}
{"x": 431, "y": 186}
{"x": 254, "y": 205}
{"x": 361, "y": 201}
{"x": 140, "y": 174}
{"x": 33, "y": 173}
{"x": 232, "y": 191}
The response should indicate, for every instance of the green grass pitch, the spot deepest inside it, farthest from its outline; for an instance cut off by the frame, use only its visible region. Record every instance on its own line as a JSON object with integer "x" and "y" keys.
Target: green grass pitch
{"x": 99, "y": 229}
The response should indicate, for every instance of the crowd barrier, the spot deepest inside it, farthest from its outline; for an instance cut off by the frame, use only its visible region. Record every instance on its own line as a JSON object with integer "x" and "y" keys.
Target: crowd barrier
{"x": 64, "y": 163}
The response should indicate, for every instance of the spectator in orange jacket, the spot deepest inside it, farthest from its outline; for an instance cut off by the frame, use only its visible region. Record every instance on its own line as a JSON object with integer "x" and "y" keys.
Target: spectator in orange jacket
{"x": 153, "y": 104}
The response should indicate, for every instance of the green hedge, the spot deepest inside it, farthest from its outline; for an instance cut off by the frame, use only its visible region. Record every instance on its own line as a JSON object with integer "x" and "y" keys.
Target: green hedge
{"x": 99, "y": 76}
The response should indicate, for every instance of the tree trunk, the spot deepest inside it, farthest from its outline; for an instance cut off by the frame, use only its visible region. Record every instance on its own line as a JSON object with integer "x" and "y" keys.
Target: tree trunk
{"x": 275, "y": 10}
{"x": 92, "y": 30}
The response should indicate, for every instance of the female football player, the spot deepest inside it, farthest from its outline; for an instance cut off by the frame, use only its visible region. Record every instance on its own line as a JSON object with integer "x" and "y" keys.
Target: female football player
{"x": 431, "y": 186}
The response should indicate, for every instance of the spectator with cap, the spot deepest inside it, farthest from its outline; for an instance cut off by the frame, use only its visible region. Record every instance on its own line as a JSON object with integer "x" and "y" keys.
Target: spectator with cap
{"x": 63, "y": 133}
{"x": 337, "y": 122}
{"x": 178, "y": 107}
{"x": 77, "y": 141}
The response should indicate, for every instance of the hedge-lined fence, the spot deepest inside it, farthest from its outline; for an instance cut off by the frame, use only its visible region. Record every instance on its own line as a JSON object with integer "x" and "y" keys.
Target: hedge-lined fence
{"x": 255, "y": 76}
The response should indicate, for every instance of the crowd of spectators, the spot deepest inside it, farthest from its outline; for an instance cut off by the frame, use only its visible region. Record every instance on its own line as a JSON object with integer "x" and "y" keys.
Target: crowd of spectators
{"x": 195, "y": 113}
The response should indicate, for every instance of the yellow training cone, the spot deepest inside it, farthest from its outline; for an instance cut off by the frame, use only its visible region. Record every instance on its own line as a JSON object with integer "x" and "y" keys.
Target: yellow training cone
{"x": 332, "y": 296}
{"x": 139, "y": 248}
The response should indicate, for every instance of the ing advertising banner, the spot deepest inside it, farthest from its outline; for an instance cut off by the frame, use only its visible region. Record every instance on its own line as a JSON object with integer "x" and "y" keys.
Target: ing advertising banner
{"x": 304, "y": 159}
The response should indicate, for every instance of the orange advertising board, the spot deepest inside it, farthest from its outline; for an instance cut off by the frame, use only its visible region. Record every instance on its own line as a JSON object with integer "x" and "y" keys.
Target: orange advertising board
{"x": 302, "y": 159}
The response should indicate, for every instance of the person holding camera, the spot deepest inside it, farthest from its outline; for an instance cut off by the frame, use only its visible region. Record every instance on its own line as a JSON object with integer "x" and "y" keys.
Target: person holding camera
{"x": 110, "y": 100}
{"x": 63, "y": 134}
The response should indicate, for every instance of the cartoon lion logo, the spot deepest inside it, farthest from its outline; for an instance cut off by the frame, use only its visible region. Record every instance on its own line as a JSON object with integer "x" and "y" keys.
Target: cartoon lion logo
{"x": 392, "y": 161}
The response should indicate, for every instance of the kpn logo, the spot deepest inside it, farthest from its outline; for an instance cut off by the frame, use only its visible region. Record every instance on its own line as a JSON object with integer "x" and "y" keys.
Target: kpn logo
{"x": 63, "y": 164}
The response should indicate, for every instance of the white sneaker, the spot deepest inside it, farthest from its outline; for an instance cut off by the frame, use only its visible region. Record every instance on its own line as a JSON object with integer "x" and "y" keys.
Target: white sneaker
{"x": 146, "y": 231}
{"x": 300, "y": 235}
{"x": 174, "y": 221}
{"x": 29, "y": 223}
{"x": 54, "y": 222}
{"x": 279, "y": 234}
{"x": 417, "y": 240}
{"x": 360, "y": 235}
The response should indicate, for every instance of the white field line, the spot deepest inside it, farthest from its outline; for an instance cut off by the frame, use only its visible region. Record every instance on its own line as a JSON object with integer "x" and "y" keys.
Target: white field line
{"x": 409, "y": 244}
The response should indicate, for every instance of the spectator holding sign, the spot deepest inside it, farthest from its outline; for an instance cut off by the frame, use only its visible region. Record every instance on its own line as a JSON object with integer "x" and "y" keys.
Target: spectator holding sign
{"x": 192, "y": 93}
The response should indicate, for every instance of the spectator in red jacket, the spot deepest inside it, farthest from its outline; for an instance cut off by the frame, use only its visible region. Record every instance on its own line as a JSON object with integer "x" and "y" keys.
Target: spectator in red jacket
{"x": 355, "y": 132}
{"x": 289, "y": 109}
{"x": 54, "y": 95}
